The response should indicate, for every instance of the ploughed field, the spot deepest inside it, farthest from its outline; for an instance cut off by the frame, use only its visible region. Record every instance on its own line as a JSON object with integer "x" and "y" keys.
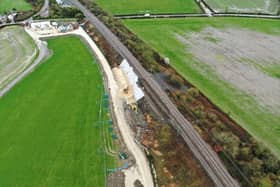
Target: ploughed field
{"x": 7, "y": 5}
{"x": 17, "y": 52}
{"x": 51, "y": 131}
{"x": 148, "y": 6}
{"x": 233, "y": 61}
{"x": 245, "y": 6}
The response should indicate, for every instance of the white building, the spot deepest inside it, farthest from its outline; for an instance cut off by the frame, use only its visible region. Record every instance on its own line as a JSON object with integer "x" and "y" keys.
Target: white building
{"x": 43, "y": 28}
{"x": 60, "y": 2}
{"x": 133, "y": 79}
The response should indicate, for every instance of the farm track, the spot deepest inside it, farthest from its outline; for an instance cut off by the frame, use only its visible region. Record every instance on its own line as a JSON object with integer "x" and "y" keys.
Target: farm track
{"x": 44, "y": 11}
{"x": 208, "y": 159}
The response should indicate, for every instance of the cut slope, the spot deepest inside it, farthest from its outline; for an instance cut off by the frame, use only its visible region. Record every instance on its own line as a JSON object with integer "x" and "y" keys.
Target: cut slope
{"x": 51, "y": 127}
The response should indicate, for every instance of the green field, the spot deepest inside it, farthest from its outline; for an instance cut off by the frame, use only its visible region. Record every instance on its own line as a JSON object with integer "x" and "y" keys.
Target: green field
{"x": 17, "y": 51}
{"x": 148, "y": 6}
{"x": 51, "y": 132}
{"x": 7, "y": 5}
{"x": 245, "y": 6}
{"x": 260, "y": 122}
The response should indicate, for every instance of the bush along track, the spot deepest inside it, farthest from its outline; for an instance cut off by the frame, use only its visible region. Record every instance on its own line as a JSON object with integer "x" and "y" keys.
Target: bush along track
{"x": 247, "y": 159}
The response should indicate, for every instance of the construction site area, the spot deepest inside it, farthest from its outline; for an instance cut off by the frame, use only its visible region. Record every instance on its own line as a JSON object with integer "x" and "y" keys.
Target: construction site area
{"x": 151, "y": 129}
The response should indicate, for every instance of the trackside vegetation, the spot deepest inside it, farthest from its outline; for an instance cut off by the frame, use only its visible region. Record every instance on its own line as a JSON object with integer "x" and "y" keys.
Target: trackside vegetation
{"x": 51, "y": 130}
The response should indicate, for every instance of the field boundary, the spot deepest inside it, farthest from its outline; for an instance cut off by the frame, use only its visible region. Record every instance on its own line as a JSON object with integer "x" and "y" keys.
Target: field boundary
{"x": 187, "y": 15}
{"x": 156, "y": 16}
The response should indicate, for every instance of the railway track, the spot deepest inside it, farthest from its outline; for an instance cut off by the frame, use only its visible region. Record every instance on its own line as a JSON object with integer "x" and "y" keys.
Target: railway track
{"x": 206, "y": 156}
{"x": 208, "y": 159}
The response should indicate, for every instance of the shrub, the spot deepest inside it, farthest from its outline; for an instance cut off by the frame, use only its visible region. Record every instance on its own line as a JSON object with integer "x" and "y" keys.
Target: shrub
{"x": 212, "y": 116}
{"x": 172, "y": 80}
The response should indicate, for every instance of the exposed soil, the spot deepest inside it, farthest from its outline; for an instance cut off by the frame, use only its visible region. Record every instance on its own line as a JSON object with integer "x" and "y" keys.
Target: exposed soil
{"x": 172, "y": 159}
{"x": 237, "y": 57}
{"x": 115, "y": 179}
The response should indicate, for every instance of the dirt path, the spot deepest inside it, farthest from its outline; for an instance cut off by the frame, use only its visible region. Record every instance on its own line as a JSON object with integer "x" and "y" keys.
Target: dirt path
{"x": 207, "y": 10}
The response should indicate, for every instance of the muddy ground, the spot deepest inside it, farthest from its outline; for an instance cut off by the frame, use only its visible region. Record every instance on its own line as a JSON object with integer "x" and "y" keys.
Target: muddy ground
{"x": 17, "y": 51}
{"x": 239, "y": 57}
{"x": 245, "y": 6}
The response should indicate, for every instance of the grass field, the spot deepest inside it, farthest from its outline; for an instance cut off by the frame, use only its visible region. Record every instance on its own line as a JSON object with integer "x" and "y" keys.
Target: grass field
{"x": 7, "y": 5}
{"x": 17, "y": 51}
{"x": 260, "y": 122}
{"x": 50, "y": 131}
{"x": 245, "y": 6}
{"x": 148, "y": 6}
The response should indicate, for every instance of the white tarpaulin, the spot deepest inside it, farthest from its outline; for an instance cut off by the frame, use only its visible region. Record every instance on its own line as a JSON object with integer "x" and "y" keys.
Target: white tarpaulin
{"x": 133, "y": 79}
